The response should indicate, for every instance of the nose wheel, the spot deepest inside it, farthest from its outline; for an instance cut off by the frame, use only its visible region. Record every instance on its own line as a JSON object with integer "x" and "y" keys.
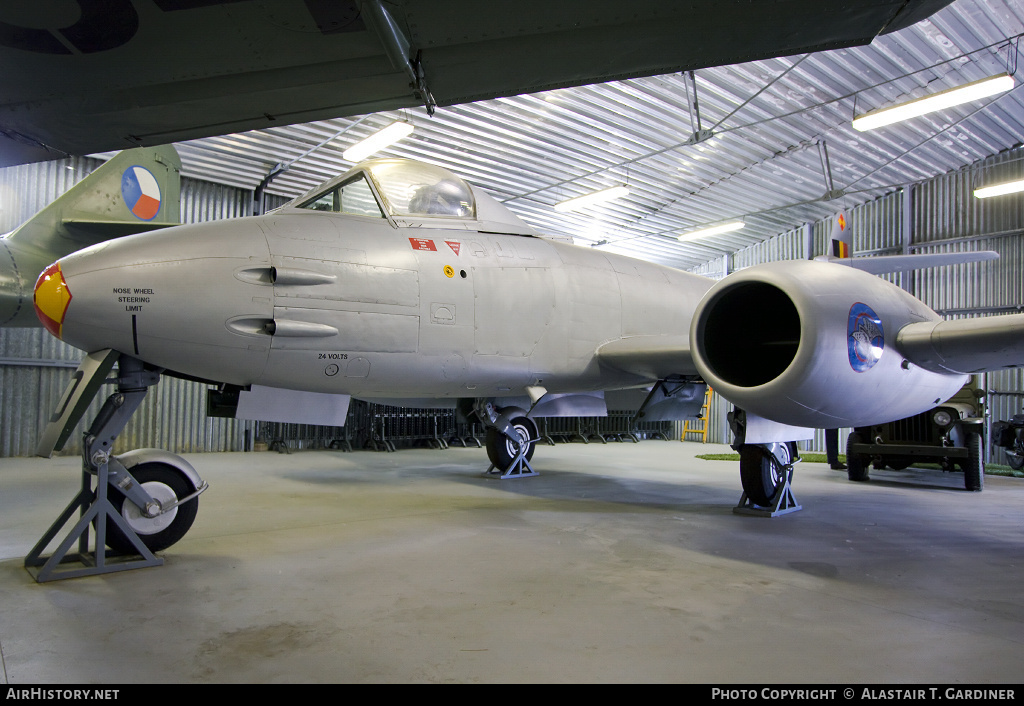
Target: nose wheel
{"x": 139, "y": 502}
{"x": 168, "y": 487}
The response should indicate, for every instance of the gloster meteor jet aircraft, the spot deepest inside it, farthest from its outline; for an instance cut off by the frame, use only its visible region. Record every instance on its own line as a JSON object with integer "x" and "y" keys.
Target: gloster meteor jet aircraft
{"x": 400, "y": 281}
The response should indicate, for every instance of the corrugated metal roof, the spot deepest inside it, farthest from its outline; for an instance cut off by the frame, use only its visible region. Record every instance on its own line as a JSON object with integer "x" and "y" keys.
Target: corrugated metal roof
{"x": 775, "y": 122}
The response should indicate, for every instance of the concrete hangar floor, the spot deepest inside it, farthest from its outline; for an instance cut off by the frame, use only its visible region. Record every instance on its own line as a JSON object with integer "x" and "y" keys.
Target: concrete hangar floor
{"x": 619, "y": 563}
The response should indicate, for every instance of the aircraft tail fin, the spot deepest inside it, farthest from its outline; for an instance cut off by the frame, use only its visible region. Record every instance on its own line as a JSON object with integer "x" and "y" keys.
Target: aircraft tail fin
{"x": 841, "y": 243}
{"x": 136, "y": 190}
{"x": 841, "y": 253}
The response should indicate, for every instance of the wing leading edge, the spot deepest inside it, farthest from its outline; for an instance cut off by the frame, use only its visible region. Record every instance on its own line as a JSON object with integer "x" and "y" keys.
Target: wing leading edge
{"x": 965, "y": 345}
{"x": 650, "y": 357}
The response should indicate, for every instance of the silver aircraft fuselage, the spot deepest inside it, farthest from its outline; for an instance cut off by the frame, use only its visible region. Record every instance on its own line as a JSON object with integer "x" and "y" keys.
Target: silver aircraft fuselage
{"x": 331, "y": 302}
{"x": 398, "y": 280}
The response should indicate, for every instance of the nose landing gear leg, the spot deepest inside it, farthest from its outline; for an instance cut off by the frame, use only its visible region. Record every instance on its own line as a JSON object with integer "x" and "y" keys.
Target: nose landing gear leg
{"x": 145, "y": 509}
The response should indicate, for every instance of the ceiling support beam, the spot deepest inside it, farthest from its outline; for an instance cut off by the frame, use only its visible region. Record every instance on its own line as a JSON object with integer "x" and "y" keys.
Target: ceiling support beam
{"x": 399, "y": 50}
{"x": 826, "y": 167}
{"x": 699, "y": 135}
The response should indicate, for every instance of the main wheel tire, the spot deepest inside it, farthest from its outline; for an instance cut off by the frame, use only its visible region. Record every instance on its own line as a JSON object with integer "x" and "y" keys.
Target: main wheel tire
{"x": 856, "y": 465}
{"x": 501, "y": 450}
{"x": 164, "y": 482}
{"x": 760, "y": 475}
{"x": 974, "y": 465}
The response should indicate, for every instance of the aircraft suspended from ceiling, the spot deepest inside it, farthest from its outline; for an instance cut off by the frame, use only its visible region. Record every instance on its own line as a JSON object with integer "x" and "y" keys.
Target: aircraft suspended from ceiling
{"x": 84, "y": 77}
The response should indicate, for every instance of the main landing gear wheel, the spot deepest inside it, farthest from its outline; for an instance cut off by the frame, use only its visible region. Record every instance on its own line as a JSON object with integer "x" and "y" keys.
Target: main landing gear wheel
{"x": 760, "y": 473}
{"x": 165, "y": 483}
{"x": 502, "y": 451}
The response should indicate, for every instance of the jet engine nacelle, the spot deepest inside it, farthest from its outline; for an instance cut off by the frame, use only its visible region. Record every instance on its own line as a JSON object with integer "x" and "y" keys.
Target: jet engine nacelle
{"x": 813, "y": 344}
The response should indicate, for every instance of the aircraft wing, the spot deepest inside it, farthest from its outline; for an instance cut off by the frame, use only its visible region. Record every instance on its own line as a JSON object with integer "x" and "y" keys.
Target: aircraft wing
{"x": 98, "y": 231}
{"x": 650, "y": 357}
{"x": 965, "y": 345}
{"x": 125, "y": 73}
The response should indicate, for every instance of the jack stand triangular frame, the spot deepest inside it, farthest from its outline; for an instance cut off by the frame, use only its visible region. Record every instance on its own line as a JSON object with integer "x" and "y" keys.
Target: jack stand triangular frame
{"x": 93, "y": 506}
{"x": 783, "y": 503}
{"x": 519, "y": 468}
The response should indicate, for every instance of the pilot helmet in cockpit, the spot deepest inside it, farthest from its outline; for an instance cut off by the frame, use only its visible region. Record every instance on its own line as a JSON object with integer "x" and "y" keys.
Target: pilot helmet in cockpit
{"x": 442, "y": 198}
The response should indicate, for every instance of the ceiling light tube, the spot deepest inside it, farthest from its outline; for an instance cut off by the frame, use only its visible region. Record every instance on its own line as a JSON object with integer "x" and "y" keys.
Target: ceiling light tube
{"x": 937, "y": 101}
{"x": 714, "y": 230}
{"x": 1010, "y": 187}
{"x": 378, "y": 141}
{"x": 596, "y": 197}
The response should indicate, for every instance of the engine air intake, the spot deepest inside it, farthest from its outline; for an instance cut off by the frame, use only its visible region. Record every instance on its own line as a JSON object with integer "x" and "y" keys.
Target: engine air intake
{"x": 751, "y": 333}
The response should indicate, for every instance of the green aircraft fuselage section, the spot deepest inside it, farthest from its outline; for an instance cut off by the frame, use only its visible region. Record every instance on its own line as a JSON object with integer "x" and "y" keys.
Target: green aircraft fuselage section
{"x": 137, "y": 190}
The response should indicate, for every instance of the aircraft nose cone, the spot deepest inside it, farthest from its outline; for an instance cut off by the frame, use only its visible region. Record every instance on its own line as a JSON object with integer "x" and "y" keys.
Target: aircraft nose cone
{"x": 51, "y": 299}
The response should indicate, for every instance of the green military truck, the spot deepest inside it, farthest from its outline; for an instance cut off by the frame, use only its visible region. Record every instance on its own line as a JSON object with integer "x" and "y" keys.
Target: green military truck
{"x": 950, "y": 435}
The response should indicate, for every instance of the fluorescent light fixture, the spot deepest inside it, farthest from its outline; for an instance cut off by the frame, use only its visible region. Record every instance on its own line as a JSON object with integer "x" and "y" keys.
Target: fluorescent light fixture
{"x": 596, "y": 197}
{"x": 378, "y": 141}
{"x": 937, "y": 101}
{"x": 714, "y": 230}
{"x": 1010, "y": 187}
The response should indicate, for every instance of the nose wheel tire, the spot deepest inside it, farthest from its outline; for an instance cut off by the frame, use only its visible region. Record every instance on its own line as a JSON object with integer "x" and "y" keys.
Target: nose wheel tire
{"x": 164, "y": 483}
{"x": 501, "y": 451}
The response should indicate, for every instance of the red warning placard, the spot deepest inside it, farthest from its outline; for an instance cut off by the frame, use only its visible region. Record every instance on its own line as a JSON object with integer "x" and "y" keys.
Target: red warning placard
{"x": 422, "y": 244}
{"x": 454, "y": 245}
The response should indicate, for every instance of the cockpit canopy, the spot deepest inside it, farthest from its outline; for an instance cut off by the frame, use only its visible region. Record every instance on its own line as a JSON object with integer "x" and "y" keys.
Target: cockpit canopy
{"x": 407, "y": 189}
{"x": 413, "y": 194}
{"x": 418, "y": 189}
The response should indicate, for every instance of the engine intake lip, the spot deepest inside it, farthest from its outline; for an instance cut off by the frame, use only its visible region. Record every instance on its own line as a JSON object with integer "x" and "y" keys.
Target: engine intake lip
{"x": 749, "y": 333}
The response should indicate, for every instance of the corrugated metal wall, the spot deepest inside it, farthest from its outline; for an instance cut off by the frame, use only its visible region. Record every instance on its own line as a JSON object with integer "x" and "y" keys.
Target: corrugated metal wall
{"x": 944, "y": 216}
{"x": 948, "y": 218}
{"x": 35, "y": 367}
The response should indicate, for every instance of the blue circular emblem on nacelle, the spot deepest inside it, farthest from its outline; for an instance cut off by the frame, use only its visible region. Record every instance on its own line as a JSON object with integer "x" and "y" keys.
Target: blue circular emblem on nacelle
{"x": 864, "y": 339}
